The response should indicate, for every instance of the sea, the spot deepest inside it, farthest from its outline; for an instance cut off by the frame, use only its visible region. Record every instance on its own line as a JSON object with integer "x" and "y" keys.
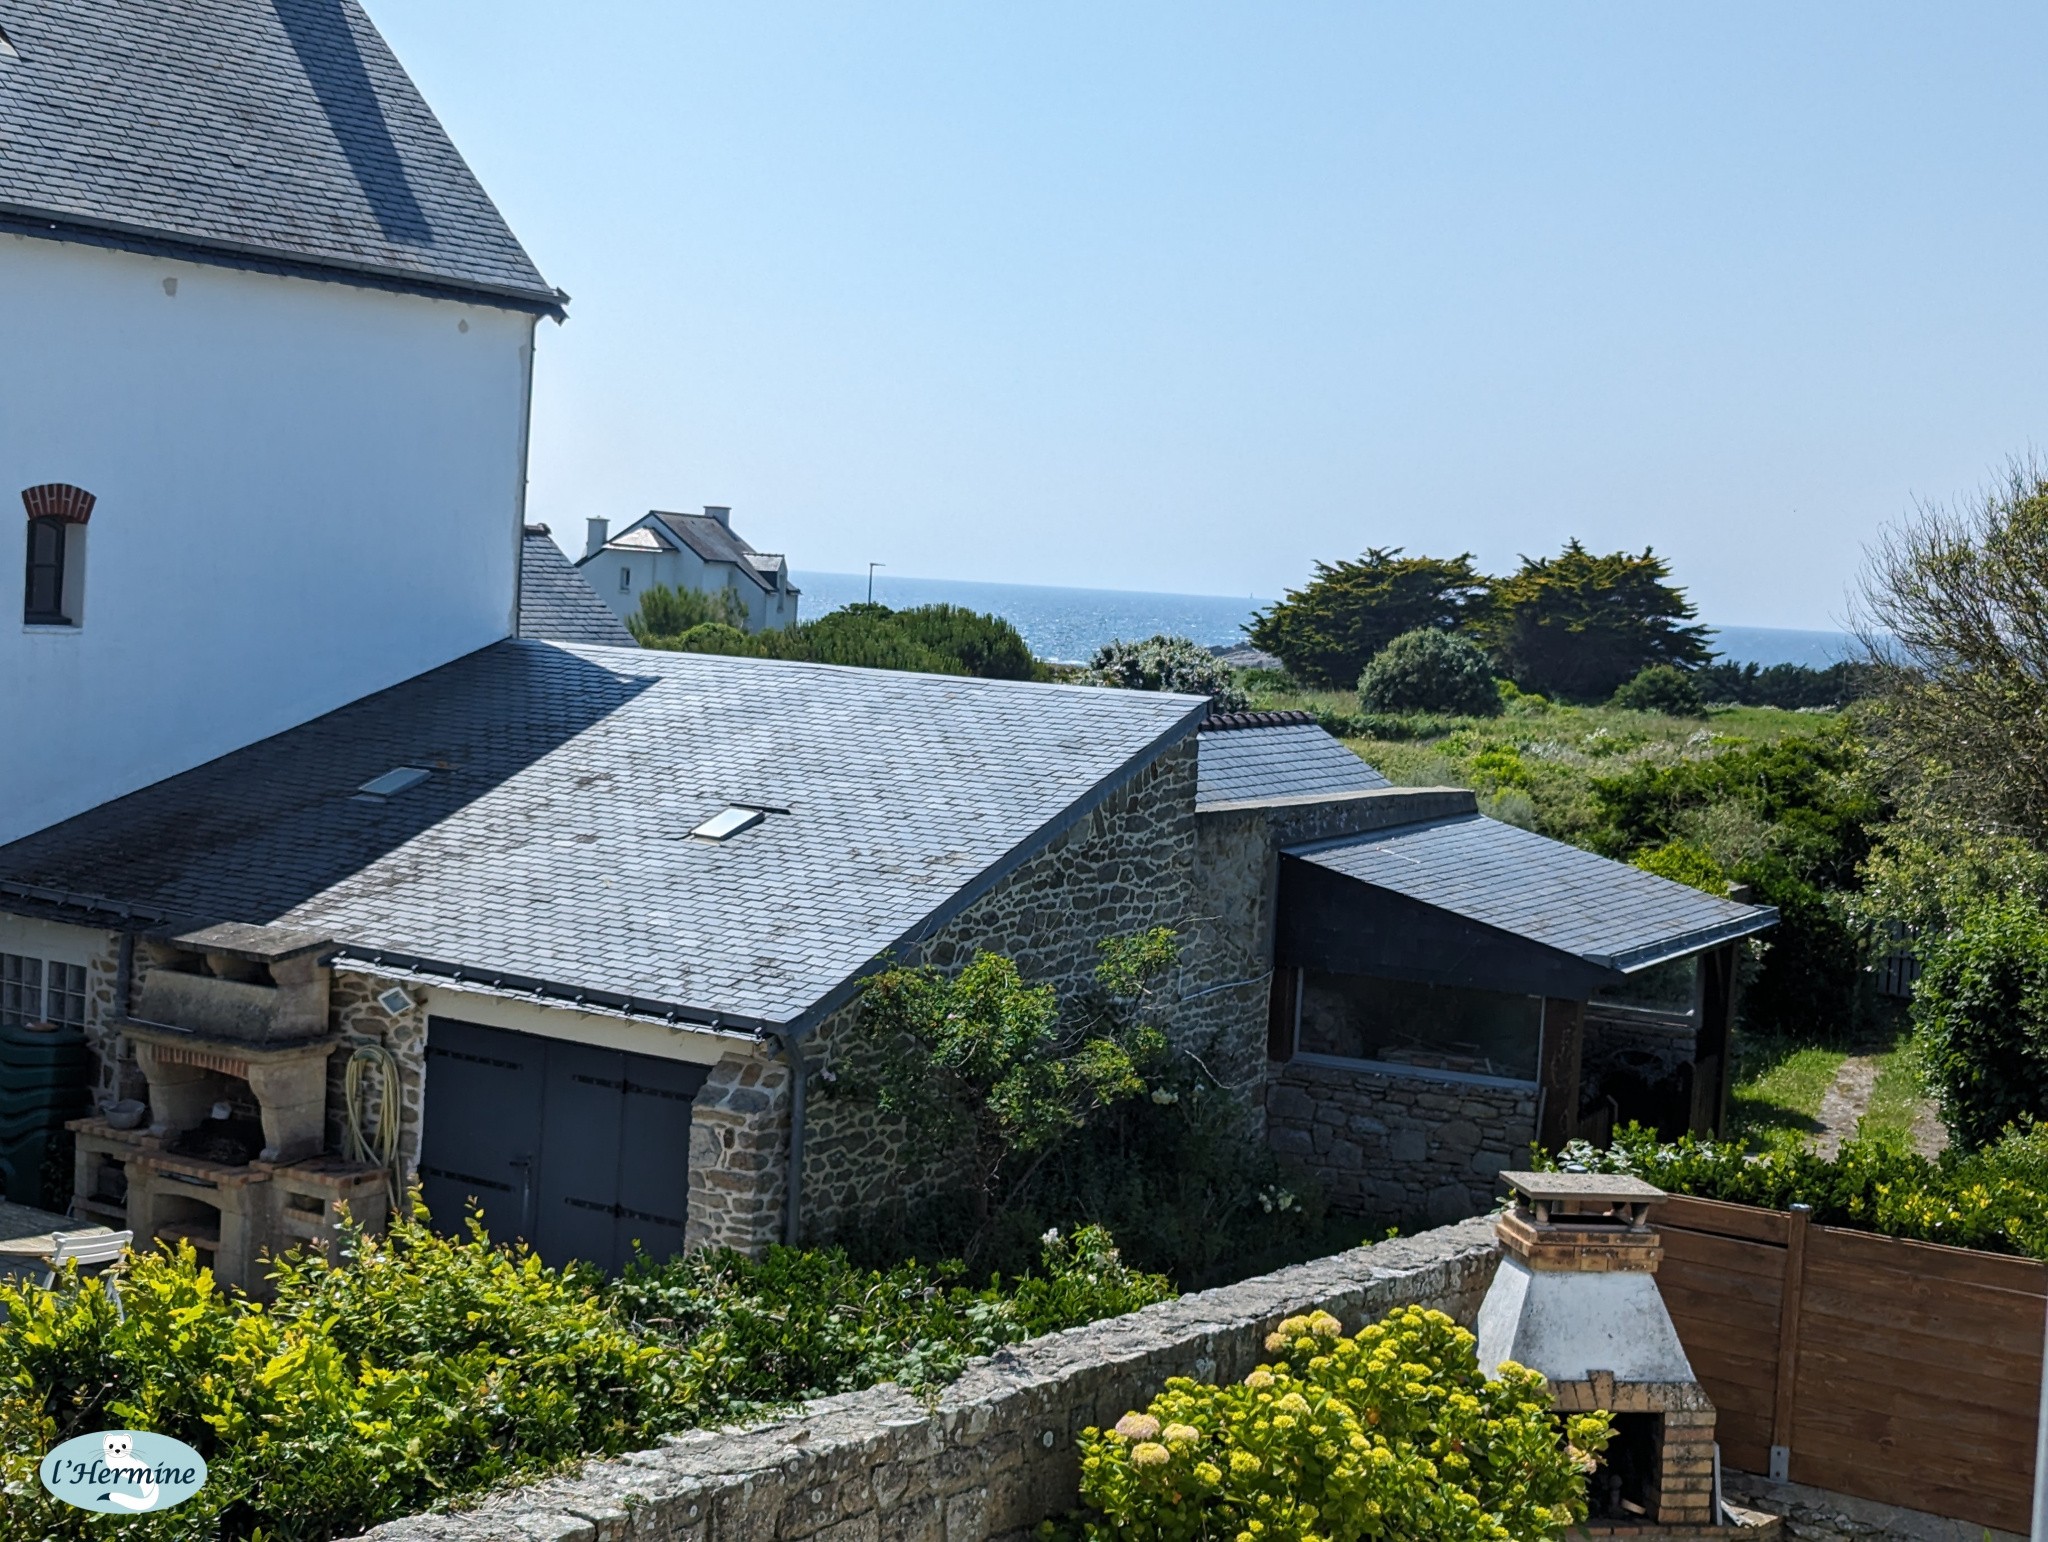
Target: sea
{"x": 1068, "y": 625}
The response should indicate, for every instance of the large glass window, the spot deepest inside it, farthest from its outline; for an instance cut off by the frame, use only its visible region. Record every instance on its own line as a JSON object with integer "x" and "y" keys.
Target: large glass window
{"x": 21, "y": 990}
{"x": 1429, "y": 1027}
{"x": 1667, "y": 987}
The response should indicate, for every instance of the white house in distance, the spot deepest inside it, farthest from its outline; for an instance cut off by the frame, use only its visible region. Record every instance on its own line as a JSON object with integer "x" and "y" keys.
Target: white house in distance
{"x": 267, "y": 426}
{"x": 688, "y": 551}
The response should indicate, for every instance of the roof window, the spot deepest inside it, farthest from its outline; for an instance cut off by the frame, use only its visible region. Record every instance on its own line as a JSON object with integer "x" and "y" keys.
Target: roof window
{"x": 7, "y": 48}
{"x": 723, "y": 826}
{"x": 391, "y": 783}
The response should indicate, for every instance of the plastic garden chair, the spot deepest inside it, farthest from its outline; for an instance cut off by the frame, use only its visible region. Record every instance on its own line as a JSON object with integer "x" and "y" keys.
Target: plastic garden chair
{"x": 106, "y": 1250}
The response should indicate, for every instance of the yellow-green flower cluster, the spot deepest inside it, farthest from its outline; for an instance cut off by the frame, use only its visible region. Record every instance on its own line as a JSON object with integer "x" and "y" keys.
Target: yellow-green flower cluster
{"x": 1392, "y": 1433}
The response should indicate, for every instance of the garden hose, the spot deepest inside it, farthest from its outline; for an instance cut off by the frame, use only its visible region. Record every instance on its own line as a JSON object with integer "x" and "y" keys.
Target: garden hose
{"x": 383, "y": 1150}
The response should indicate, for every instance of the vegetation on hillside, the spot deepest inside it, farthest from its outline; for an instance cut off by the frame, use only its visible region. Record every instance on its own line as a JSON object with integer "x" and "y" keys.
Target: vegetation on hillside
{"x": 1162, "y": 663}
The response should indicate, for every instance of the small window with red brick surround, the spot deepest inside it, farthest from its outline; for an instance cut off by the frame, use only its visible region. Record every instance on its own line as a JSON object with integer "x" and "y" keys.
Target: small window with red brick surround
{"x": 54, "y": 580}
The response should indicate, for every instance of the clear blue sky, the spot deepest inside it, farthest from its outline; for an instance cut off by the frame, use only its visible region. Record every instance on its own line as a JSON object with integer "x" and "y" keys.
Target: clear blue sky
{"x": 1183, "y": 296}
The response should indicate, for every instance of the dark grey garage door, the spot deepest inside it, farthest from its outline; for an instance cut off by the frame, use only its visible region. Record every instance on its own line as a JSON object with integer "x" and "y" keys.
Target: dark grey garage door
{"x": 580, "y": 1150}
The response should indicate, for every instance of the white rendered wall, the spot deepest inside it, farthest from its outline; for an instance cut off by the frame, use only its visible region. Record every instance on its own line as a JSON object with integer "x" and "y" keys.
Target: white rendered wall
{"x": 308, "y": 491}
{"x": 682, "y": 569}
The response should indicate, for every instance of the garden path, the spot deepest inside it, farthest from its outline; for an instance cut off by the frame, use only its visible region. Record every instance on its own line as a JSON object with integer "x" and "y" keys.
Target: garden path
{"x": 1842, "y": 1106}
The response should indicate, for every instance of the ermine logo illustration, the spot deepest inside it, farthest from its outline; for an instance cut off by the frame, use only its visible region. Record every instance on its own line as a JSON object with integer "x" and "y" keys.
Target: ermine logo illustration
{"x": 127, "y": 1470}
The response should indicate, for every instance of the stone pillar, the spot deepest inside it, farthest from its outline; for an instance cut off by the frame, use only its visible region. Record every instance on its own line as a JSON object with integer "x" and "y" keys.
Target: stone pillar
{"x": 739, "y": 1155}
{"x": 1683, "y": 1491}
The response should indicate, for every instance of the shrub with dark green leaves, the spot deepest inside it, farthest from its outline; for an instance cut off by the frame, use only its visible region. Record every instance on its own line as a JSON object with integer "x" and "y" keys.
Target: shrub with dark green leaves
{"x": 930, "y": 639}
{"x": 1662, "y": 688}
{"x": 1394, "y": 1433}
{"x": 1981, "y": 1007}
{"x": 1329, "y": 629}
{"x": 667, "y": 613}
{"x": 1430, "y": 671}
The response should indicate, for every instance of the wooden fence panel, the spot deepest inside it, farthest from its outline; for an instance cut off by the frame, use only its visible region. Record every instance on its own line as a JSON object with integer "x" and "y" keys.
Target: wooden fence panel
{"x": 1893, "y": 1370}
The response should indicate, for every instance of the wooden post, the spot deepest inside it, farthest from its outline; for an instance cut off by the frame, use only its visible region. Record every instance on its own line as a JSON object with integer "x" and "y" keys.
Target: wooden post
{"x": 1564, "y": 1043}
{"x": 1794, "y": 1288}
{"x": 1281, "y": 994}
{"x": 1710, "y": 1060}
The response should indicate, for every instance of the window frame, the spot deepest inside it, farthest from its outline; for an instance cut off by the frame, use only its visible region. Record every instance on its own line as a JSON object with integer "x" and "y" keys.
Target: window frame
{"x": 20, "y": 973}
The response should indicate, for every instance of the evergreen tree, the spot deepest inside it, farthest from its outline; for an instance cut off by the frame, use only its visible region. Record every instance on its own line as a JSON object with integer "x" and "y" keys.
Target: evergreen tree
{"x": 1327, "y": 631}
{"x": 1579, "y": 625}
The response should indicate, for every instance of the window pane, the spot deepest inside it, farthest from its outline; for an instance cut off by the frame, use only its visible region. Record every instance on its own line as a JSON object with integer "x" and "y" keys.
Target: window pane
{"x": 64, "y": 995}
{"x": 1433, "y": 1027}
{"x": 45, "y": 569}
{"x": 21, "y": 990}
{"x": 1661, "y": 987}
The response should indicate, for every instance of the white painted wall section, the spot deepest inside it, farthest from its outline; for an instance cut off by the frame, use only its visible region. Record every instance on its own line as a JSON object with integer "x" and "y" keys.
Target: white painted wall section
{"x": 308, "y": 491}
{"x": 1569, "y": 1325}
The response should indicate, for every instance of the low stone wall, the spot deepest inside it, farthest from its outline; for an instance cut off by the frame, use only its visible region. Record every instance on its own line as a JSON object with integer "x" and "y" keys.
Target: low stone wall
{"x": 989, "y": 1457}
{"x": 1407, "y": 1148}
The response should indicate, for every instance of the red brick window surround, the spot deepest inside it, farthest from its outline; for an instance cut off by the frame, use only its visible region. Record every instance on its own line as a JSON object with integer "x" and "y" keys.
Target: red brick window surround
{"x": 57, "y": 514}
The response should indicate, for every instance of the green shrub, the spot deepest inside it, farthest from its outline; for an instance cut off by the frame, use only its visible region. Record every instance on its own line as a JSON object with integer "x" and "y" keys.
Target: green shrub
{"x": 1662, "y": 688}
{"x": 1394, "y": 1433}
{"x": 931, "y": 639}
{"x": 710, "y": 637}
{"x": 669, "y": 613}
{"x": 419, "y": 1369}
{"x": 1162, "y": 663}
{"x": 804, "y": 1323}
{"x": 1430, "y": 671}
{"x": 1981, "y": 1006}
{"x": 1686, "y": 863}
{"x": 1329, "y": 629}
{"x": 1995, "y": 1200}
{"x": 987, "y": 647}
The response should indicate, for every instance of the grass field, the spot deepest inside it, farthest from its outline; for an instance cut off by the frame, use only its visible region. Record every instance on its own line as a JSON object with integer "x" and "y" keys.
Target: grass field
{"x": 1777, "y": 1091}
{"x": 1533, "y": 765}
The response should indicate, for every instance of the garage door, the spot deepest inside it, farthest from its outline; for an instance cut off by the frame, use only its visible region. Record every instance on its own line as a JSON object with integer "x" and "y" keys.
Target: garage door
{"x": 580, "y": 1150}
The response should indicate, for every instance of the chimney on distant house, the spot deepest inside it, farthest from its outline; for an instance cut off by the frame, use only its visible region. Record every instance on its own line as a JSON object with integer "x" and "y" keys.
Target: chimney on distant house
{"x": 719, "y": 512}
{"x": 595, "y": 533}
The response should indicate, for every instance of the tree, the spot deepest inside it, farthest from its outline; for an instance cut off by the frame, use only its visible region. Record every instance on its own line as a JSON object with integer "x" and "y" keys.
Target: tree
{"x": 1662, "y": 688}
{"x": 666, "y": 613}
{"x": 1430, "y": 671}
{"x": 1954, "y": 618}
{"x": 1981, "y": 1005}
{"x": 1578, "y": 625}
{"x": 990, "y": 1075}
{"x": 1327, "y": 631}
{"x": 1162, "y": 663}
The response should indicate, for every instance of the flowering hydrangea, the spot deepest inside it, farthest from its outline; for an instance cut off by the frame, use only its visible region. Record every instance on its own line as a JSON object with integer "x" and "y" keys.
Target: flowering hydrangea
{"x": 1389, "y": 1434}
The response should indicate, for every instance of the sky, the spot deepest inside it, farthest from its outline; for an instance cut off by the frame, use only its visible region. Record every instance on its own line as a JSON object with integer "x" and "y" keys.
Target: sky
{"x": 1184, "y": 297}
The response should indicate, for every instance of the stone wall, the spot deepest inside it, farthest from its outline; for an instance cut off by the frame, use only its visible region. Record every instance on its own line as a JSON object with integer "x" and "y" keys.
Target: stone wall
{"x": 739, "y": 1154}
{"x": 989, "y": 1457}
{"x": 1399, "y": 1148}
{"x": 1126, "y": 866}
{"x": 355, "y": 1013}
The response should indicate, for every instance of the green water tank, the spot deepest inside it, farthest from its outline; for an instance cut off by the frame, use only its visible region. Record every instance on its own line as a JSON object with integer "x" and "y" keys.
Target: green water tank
{"x": 45, "y": 1080}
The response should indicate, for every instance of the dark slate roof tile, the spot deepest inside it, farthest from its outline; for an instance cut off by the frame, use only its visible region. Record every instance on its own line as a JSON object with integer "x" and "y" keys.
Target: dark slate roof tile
{"x": 1606, "y": 912}
{"x": 556, "y": 602}
{"x": 278, "y": 128}
{"x": 1291, "y": 760}
{"x": 552, "y": 841}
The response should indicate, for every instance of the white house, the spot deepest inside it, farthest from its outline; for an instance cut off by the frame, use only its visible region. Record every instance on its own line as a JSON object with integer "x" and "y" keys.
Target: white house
{"x": 267, "y": 421}
{"x": 688, "y": 551}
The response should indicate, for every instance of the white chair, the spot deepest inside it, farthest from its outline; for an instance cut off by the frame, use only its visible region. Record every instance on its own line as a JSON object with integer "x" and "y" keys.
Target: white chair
{"x": 92, "y": 1250}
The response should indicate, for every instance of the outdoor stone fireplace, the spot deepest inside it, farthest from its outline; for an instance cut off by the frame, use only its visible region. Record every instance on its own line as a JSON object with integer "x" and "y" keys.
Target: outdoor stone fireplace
{"x": 1576, "y": 1298}
{"x": 230, "y": 1031}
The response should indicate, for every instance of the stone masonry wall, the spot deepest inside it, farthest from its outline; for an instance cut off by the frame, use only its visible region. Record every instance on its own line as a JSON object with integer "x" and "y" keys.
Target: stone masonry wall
{"x": 989, "y": 1457}
{"x": 1401, "y": 1148}
{"x": 1127, "y": 866}
{"x": 353, "y": 1010}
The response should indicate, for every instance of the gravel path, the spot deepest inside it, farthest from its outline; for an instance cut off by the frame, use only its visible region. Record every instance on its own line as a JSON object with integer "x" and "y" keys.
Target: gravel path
{"x": 1845, "y": 1102}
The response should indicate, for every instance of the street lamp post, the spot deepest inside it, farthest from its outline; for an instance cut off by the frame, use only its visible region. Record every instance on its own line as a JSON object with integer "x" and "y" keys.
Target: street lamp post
{"x": 871, "y": 579}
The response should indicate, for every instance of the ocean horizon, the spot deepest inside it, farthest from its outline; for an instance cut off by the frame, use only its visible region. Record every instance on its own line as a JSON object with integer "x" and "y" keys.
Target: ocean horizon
{"x": 1067, "y": 625}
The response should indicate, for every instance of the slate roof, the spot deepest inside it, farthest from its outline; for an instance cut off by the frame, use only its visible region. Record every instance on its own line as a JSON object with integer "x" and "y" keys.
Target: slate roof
{"x": 556, "y": 602}
{"x": 552, "y": 841}
{"x": 714, "y": 541}
{"x": 1607, "y": 913}
{"x": 282, "y": 129}
{"x": 1257, "y": 755}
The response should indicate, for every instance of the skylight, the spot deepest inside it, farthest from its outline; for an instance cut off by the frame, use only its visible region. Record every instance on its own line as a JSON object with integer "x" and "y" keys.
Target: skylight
{"x": 727, "y": 823}
{"x": 393, "y": 782}
{"x": 7, "y": 46}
